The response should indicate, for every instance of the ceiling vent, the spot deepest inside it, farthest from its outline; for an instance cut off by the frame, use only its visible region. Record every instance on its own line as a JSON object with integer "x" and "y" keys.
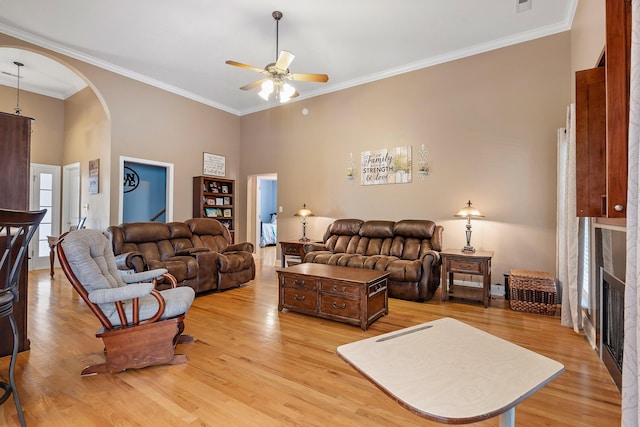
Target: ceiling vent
{"x": 523, "y": 5}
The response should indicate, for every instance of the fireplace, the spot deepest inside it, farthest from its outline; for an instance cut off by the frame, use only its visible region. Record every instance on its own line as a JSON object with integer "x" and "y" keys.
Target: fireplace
{"x": 610, "y": 259}
{"x": 612, "y": 324}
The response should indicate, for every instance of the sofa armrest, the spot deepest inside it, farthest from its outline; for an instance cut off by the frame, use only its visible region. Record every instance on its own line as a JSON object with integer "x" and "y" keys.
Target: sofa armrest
{"x": 131, "y": 261}
{"x": 436, "y": 239}
{"x": 311, "y": 247}
{"x": 240, "y": 247}
{"x": 430, "y": 280}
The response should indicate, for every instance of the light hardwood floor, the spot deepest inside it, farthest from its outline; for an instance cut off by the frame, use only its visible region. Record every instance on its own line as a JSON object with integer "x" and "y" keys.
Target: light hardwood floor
{"x": 254, "y": 366}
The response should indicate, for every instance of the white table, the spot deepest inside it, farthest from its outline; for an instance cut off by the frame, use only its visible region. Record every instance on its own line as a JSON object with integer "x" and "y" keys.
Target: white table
{"x": 450, "y": 372}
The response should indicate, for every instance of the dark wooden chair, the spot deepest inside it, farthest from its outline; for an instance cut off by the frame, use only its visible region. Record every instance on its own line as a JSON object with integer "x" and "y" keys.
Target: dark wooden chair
{"x": 140, "y": 325}
{"x": 16, "y": 230}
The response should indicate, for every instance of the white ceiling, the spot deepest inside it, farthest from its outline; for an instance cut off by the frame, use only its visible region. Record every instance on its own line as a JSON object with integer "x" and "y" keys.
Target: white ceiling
{"x": 182, "y": 46}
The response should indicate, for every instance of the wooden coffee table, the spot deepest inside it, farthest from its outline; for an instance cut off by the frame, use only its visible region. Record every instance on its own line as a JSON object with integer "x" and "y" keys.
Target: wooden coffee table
{"x": 450, "y": 372}
{"x": 350, "y": 295}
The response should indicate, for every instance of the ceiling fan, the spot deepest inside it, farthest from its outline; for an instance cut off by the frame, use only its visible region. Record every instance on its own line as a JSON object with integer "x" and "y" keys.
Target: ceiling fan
{"x": 277, "y": 73}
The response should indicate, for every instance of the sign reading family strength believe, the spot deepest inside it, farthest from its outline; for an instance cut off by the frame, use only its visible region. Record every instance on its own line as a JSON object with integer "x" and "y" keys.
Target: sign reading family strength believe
{"x": 386, "y": 166}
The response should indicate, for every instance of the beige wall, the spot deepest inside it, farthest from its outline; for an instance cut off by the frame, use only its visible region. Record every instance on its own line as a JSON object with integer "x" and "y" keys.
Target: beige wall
{"x": 587, "y": 37}
{"x": 145, "y": 123}
{"x": 48, "y": 127}
{"x": 87, "y": 137}
{"x": 489, "y": 123}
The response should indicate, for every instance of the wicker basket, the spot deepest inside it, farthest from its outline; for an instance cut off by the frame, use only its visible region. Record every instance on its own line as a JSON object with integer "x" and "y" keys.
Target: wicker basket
{"x": 533, "y": 292}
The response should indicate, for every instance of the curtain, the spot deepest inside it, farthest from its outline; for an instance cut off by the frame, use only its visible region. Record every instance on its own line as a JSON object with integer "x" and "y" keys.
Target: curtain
{"x": 568, "y": 226}
{"x": 630, "y": 366}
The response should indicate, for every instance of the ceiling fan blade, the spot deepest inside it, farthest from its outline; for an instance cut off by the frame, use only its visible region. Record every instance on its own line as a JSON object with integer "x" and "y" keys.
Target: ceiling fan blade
{"x": 308, "y": 77}
{"x": 284, "y": 60}
{"x": 248, "y": 67}
{"x": 252, "y": 85}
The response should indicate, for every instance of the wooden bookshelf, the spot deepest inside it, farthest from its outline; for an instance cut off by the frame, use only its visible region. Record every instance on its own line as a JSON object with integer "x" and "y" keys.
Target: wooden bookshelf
{"x": 214, "y": 198}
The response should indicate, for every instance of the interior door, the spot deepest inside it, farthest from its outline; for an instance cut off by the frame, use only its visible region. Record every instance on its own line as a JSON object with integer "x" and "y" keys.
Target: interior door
{"x": 45, "y": 194}
{"x": 70, "y": 196}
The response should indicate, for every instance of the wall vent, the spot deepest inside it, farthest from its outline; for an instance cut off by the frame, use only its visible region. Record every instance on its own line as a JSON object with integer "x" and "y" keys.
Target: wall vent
{"x": 523, "y": 5}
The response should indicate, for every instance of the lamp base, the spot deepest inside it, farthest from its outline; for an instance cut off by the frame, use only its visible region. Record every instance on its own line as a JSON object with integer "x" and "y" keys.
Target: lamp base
{"x": 468, "y": 250}
{"x": 303, "y": 239}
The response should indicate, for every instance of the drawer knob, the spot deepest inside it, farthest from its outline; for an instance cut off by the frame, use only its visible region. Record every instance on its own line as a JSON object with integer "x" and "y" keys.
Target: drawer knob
{"x": 335, "y": 288}
{"x": 618, "y": 208}
{"x": 298, "y": 298}
{"x": 334, "y": 305}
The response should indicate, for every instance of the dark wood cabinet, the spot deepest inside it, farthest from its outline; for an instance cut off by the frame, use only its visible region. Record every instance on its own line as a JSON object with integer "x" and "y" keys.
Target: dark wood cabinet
{"x": 591, "y": 131}
{"x": 15, "y": 146}
{"x": 602, "y": 122}
{"x": 214, "y": 198}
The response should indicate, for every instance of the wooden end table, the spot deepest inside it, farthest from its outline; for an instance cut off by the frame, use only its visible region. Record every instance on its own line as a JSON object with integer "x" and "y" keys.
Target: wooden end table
{"x": 291, "y": 248}
{"x": 477, "y": 263}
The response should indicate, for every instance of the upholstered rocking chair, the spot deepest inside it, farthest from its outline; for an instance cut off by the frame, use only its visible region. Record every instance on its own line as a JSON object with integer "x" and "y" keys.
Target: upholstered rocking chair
{"x": 140, "y": 325}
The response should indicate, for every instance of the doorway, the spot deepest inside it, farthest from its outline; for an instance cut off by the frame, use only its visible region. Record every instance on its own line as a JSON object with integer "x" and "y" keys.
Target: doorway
{"x": 262, "y": 210}
{"x": 146, "y": 193}
{"x": 45, "y": 194}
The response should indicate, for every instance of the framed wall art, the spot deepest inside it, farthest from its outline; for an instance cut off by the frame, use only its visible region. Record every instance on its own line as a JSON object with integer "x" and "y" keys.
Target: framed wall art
{"x": 94, "y": 176}
{"x": 213, "y": 165}
{"x": 386, "y": 166}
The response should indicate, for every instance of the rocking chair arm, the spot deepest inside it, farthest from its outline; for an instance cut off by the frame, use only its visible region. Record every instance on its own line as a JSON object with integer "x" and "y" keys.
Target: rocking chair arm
{"x": 161, "y": 306}
{"x": 136, "y": 290}
{"x": 143, "y": 276}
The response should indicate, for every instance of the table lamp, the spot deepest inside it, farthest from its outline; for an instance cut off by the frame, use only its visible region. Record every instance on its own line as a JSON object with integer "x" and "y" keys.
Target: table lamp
{"x": 304, "y": 213}
{"x": 468, "y": 212}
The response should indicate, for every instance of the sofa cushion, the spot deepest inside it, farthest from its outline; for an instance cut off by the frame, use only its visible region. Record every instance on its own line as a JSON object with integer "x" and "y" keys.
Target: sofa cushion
{"x": 180, "y": 236}
{"x": 235, "y": 261}
{"x": 345, "y": 227}
{"x": 137, "y": 232}
{"x": 403, "y": 270}
{"x": 208, "y": 233}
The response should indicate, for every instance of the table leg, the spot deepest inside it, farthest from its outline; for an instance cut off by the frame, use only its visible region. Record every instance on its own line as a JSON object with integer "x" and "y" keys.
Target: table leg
{"x": 443, "y": 287}
{"x": 508, "y": 419}
{"x": 52, "y": 259}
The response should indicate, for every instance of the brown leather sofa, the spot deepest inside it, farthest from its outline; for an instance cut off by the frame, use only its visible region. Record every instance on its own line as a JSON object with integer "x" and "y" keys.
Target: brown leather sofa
{"x": 197, "y": 252}
{"x": 409, "y": 250}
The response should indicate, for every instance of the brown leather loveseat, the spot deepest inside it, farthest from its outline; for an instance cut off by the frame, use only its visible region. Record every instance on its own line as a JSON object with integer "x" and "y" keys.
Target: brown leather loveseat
{"x": 409, "y": 250}
{"x": 197, "y": 252}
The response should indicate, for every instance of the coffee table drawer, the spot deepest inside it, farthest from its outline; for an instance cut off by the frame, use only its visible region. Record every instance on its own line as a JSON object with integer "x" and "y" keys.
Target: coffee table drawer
{"x": 300, "y": 282}
{"x": 337, "y": 306}
{"x": 339, "y": 288}
{"x": 301, "y": 298}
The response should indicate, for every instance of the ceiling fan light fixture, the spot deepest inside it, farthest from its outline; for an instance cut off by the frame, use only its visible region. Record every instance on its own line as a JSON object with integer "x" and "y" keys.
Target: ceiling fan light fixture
{"x": 267, "y": 89}
{"x": 274, "y": 86}
{"x": 286, "y": 92}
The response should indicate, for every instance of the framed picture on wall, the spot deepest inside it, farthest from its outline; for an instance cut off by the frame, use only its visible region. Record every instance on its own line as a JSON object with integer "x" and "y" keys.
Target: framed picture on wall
{"x": 213, "y": 165}
{"x": 94, "y": 176}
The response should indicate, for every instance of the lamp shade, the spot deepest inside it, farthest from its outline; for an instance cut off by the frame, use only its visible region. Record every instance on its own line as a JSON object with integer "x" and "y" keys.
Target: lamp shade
{"x": 469, "y": 211}
{"x": 304, "y": 212}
